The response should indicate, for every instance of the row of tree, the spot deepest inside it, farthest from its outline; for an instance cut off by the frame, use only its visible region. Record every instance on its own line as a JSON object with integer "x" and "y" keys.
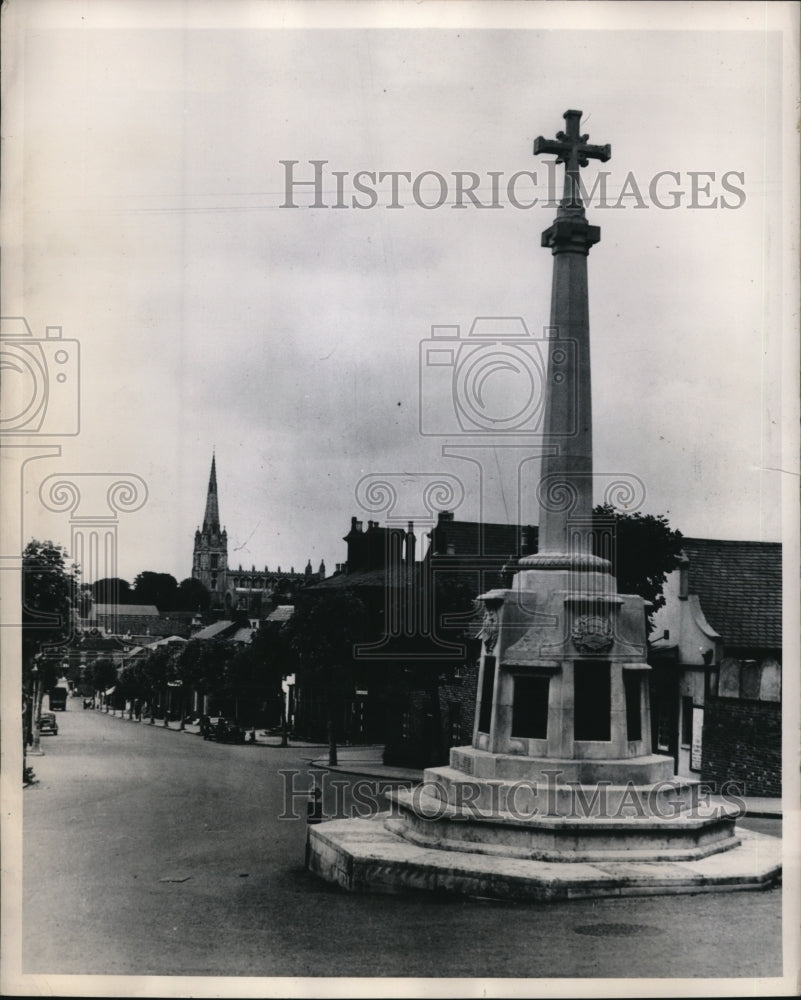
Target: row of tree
{"x": 161, "y": 589}
{"x": 243, "y": 681}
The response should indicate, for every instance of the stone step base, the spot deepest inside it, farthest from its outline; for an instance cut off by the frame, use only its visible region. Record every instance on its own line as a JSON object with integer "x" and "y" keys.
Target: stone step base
{"x": 488, "y": 796}
{"x": 631, "y": 847}
{"x": 362, "y": 855}
{"x": 545, "y": 771}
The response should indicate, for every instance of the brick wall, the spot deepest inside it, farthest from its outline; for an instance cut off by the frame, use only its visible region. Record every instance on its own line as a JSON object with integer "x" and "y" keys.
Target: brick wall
{"x": 743, "y": 743}
{"x": 408, "y": 737}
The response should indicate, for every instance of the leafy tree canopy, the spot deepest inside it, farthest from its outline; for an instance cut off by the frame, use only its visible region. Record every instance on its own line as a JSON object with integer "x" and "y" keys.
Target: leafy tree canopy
{"x": 160, "y": 589}
{"x": 644, "y": 552}
{"x": 49, "y": 587}
{"x": 101, "y": 674}
{"x": 112, "y": 590}
{"x": 192, "y": 595}
{"x": 323, "y": 631}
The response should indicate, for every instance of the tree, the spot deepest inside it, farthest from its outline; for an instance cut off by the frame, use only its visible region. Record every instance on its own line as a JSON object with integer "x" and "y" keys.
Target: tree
{"x": 154, "y": 674}
{"x": 49, "y": 589}
{"x": 204, "y": 664}
{"x": 101, "y": 674}
{"x": 83, "y": 605}
{"x": 192, "y": 595}
{"x": 271, "y": 658}
{"x": 112, "y": 590}
{"x": 645, "y": 551}
{"x": 160, "y": 589}
{"x": 322, "y": 632}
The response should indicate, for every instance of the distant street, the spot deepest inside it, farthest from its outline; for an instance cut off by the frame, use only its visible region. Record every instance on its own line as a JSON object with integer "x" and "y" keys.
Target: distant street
{"x": 152, "y": 852}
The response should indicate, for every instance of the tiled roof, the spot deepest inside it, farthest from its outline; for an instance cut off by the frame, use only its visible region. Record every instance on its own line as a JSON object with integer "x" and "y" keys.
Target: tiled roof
{"x": 282, "y": 613}
{"x": 213, "y": 631}
{"x": 125, "y": 610}
{"x": 739, "y": 585}
{"x": 168, "y": 640}
{"x": 378, "y": 578}
{"x": 136, "y": 625}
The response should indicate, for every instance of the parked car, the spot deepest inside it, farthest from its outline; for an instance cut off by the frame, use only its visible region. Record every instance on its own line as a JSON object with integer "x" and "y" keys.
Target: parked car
{"x": 221, "y": 729}
{"x": 48, "y": 724}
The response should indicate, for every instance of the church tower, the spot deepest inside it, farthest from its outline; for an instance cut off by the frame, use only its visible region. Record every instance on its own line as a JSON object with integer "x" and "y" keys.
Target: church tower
{"x": 210, "y": 557}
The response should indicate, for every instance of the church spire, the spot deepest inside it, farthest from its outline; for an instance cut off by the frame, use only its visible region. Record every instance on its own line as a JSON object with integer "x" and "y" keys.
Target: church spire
{"x": 211, "y": 519}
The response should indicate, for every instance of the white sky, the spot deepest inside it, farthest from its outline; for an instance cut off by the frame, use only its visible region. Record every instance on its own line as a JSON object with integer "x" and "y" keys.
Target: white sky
{"x": 148, "y": 225}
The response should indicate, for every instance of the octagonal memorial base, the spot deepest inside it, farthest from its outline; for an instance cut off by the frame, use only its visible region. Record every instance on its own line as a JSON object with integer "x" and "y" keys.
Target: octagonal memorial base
{"x": 366, "y": 855}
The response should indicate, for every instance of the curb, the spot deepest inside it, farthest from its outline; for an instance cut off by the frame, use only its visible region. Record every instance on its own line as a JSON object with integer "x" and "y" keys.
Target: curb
{"x": 367, "y": 770}
{"x": 194, "y": 731}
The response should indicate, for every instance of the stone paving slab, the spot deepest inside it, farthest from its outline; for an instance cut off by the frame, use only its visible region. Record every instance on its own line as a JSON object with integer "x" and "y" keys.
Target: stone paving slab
{"x": 362, "y": 855}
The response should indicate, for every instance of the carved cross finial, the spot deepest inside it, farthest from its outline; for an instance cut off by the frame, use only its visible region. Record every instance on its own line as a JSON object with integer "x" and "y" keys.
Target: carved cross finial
{"x": 572, "y": 149}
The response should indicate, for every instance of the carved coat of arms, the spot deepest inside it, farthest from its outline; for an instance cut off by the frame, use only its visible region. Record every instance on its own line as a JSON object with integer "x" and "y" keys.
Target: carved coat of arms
{"x": 592, "y": 634}
{"x": 489, "y": 629}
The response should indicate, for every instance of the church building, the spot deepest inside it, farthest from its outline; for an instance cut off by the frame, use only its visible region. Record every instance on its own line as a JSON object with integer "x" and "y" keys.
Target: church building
{"x": 249, "y": 590}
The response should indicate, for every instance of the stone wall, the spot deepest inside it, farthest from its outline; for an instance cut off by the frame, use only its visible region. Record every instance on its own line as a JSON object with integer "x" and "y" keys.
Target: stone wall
{"x": 743, "y": 743}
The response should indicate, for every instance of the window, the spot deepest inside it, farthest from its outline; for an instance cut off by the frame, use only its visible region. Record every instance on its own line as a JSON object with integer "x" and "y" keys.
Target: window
{"x": 530, "y": 707}
{"x": 487, "y": 685}
{"x": 632, "y": 688}
{"x": 592, "y": 698}
{"x": 215, "y": 561}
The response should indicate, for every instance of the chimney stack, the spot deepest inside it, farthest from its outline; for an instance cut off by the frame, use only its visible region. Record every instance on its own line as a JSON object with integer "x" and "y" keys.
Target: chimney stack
{"x": 411, "y": 542}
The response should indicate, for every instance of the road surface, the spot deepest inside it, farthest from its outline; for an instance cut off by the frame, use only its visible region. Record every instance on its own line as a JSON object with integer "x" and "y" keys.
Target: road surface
{"x": 151, "y": 852}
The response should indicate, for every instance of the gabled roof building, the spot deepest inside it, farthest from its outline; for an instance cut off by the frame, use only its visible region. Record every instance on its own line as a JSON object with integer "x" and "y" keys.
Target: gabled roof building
{"x": 716, "y": 652}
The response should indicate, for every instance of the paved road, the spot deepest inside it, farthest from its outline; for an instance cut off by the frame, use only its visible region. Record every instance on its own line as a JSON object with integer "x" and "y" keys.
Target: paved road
{"x": 152, "y": 852}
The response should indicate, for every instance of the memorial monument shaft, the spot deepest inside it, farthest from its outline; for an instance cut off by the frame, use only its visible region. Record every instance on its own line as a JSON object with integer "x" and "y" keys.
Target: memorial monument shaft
{"x": 568, "y": 403}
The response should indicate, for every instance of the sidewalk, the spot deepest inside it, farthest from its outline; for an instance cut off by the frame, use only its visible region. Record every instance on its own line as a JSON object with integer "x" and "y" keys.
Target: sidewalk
{"x": 263, "y": 738}
{"x": 366, "y": 761}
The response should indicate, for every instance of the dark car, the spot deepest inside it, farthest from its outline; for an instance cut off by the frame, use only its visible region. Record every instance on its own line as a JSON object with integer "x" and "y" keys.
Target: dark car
{"x": 58, "y": 699}
{"x": 48, "y": 724}
{"x": 221, "y": 729}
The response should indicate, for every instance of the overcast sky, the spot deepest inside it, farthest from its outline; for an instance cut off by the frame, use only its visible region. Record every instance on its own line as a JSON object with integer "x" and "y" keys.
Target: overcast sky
{"x": 151, "y": 227}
